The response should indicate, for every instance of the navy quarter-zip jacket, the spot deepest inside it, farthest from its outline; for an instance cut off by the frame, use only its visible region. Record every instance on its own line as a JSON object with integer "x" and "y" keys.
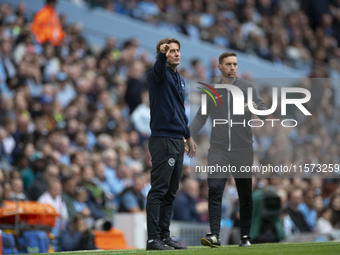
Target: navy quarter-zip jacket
{"x": 166, "y": 91}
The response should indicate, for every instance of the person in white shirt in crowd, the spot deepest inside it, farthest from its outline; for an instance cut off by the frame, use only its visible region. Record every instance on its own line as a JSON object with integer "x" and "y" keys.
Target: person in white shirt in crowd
{"x": 53, "y": 197}
{"x": 140, "y": 117}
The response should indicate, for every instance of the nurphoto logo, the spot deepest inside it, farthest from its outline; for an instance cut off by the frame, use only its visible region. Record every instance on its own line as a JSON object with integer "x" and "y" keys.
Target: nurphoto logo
{"x": 239, "y": 99}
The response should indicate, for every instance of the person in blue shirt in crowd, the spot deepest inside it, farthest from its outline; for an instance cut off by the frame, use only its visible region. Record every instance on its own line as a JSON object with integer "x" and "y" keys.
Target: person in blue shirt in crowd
{"x": 132, "y": 198}
{"x": 185, "y": 204}
{"x": 77, "y": 236}
{"x": 308, "y": 210}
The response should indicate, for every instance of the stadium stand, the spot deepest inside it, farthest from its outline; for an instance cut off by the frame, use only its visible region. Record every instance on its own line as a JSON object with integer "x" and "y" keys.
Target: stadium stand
{"x": 64, "y": 114}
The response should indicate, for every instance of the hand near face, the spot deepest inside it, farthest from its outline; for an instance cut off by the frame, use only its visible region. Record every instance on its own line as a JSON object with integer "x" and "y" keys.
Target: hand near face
{"x": 165, "y": 48}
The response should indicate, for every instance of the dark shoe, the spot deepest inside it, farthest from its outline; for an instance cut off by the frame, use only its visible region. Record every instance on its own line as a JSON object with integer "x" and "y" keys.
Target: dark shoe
{"x": 211, "y": 240}
{"x": 245, "y": 241}
{"x": 173, "y": 244}
{"x": 157, "y": 245}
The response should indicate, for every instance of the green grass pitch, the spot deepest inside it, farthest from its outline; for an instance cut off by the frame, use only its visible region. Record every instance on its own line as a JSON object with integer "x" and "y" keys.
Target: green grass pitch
{"x": 316, "y": 248}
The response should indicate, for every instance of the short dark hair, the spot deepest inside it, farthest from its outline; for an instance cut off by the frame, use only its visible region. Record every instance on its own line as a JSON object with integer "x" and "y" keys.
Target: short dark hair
{"x": 225, "y": 55}
{"x": 168, "y": 41}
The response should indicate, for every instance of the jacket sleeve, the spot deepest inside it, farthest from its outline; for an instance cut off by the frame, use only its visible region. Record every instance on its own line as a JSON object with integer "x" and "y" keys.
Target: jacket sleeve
{"x": 187, "y": 129}
{"x": 187, "y": 133}
{"x": 259, "y": 103}
{"x": 198, "y": 122}
{"x": 158, "y": 70}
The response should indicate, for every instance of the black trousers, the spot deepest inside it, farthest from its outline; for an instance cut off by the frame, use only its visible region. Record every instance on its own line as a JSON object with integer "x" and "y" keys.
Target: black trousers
{"x": 217, "y": 183}
{"x": 167, "y": 161}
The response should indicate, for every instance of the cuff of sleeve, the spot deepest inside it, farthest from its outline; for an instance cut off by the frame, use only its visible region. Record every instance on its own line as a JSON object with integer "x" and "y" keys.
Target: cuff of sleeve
{"x": 187, "y": 135}
{"x": 161, "y": 55}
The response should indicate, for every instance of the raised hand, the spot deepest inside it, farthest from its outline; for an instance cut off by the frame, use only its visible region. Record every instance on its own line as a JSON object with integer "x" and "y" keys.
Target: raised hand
{"x": 165, "y": 48}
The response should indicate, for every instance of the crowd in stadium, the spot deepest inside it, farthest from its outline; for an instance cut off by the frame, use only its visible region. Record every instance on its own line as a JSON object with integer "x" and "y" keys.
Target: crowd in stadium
{"x": 303, "y": 34}
{"x": 74, "y": 122}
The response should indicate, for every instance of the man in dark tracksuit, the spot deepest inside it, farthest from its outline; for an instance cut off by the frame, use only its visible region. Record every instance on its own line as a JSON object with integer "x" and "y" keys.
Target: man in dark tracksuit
{"x": 169, "y": 128}
{"x": 230, "y": 145}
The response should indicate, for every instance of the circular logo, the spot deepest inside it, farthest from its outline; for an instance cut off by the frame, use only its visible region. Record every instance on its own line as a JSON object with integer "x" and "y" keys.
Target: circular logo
{"x": 171, "y": 161}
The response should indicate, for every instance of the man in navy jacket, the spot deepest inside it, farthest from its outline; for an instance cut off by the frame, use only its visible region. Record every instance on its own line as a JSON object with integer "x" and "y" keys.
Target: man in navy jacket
{"x": 170, "y": 137}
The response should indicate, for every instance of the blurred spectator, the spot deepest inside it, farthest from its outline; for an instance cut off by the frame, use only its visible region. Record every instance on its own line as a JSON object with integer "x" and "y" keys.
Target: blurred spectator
{"x": 51, "y": 64}
{"x": 7, "y": 61}
{"x": 110, "y": 48}
{"x": 66, "y": 92}
{"x": 132, "y": 198}
{"x": 148, "y": 10}
{"x": 185, "y": 203}
{"x": 68, "y": 195}
{"x": 53, "y": 197}
{"x": 64, "y": 150}
{"x": 46, "y": 24}
{"x": 7, "y": 189}
{"x": 77, "y": 235}
{"x": 335, "y": 206}
{"x": 17, "y": 192}
{"x": 198, "y": 69}
{"x": 135, "y": 84}
{"x": 140, "y": 117}
{"x": 318, "y": 204}
{"x": 122, "y": 178}
{"x": 110, "y": 160}
{"x": 40, "y": 184}
{"x": 213, "y": 71}
{"x": 97, "y": 201}
{"x": 202, "y": 201}
{"x": 80, "y": 202}
{"x": 101, "y": 180}
{"x": 324, "y": 224}
{"x": 294, "y": 221}
{"x": 147, "y": 178}
{"x": 308, "y": 210}
{"x": 7, "y": 145}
